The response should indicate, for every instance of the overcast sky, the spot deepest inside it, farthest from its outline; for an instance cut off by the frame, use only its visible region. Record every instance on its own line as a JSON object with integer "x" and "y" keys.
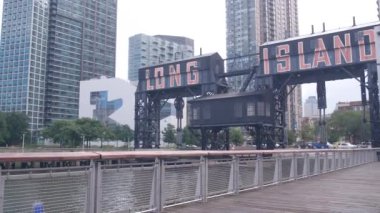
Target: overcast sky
{"x": 204, "y": 21}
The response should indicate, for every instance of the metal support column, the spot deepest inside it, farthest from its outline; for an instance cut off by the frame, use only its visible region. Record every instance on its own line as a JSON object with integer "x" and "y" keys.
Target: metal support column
{"x": 373, "y": 92}
{"x": 321, "y": 93}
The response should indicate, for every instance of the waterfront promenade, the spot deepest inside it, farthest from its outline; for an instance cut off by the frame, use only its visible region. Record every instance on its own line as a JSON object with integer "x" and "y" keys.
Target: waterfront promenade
{"x": 355, "y": 189}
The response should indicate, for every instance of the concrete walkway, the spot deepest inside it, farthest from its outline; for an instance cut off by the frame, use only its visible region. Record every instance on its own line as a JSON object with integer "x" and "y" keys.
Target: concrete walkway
{"x": 355, "y": 190}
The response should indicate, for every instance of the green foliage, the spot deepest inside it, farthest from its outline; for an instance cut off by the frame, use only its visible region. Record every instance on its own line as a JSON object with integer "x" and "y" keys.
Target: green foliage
{"x": 72, "y": 133}
{"x": 169, "y": 134}
{"x": 292, "y": 137}
{"x": 191, "y": 137}
{"x": 3, "y": 129}
{"x": 348, "y": 124}
{"x": 64, "y": 132}
{"x": 17, "y": 125}
{"x": 89, "y": 128}
{"x": 122, "y": 132}
{"x": 12, "y": 126}
{"x": 307, "y": 132}
{"x": 236, "y": 136}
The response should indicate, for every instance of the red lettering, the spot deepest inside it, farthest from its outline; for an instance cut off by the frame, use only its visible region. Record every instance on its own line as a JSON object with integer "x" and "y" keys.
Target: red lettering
{"x": 175, "y": 75}
{"x": 159, "y": 77}
{"x": 320, "y": 54}
{"x": 283, "y": 59}
{"x": 192, "y": 74}
{"x": 362, "y": 50}
{"x": 301, "y": 57}
{"x": 341, "y": 49}
{"x": 148, "y": 85}
{"x": 266, "y": 61}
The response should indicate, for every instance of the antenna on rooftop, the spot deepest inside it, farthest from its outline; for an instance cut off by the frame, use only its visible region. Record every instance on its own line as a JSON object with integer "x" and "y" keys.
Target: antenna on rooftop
{"x": 312, "y": 29}
{"x": 353, "y": 21}
{"x": 323, "y": 27}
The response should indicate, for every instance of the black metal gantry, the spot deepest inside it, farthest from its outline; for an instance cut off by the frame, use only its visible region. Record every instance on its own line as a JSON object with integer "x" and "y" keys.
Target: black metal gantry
{"x": 197, "y": 76}
{"x": 349, "y": 53}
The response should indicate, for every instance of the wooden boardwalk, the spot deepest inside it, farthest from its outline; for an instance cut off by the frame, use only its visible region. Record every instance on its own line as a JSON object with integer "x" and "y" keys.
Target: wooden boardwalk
{"x": 355, "y": 190}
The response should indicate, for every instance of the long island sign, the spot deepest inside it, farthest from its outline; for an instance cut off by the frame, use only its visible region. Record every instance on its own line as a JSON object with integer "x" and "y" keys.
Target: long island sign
{"x": 194, "y": 71}
{"x": 328, "y": 49}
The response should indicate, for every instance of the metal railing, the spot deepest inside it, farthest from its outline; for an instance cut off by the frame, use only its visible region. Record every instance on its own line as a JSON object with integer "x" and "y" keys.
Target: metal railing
{"x": 149, "y": 181}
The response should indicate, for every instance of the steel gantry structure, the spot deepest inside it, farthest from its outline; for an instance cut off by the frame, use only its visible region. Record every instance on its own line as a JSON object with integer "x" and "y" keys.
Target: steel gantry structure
{"x": 284, "y": 64}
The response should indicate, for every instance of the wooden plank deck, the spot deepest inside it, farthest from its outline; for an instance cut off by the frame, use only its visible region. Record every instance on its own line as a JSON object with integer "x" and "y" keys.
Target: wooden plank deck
{"x": 350, "y": 190}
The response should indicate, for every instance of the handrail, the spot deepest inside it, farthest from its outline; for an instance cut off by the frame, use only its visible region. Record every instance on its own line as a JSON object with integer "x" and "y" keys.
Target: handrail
{"x": 157, "y": 179}
{"x": 104, "y": 155}
{"x": 46, "y": 156}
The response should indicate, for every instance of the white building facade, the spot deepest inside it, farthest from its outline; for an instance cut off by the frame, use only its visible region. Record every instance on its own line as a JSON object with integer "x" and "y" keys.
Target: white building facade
{"x": 112, "y": 101}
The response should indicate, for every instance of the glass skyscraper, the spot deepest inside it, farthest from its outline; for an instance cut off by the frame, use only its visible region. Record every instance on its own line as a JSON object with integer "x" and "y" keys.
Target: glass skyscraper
{"x": 47, "y": 47}
{"x": 82, "y": 45}
{"x": 23, "y": 52}
{"x": 145, "y": 50}
{"x": 251, "y": 23}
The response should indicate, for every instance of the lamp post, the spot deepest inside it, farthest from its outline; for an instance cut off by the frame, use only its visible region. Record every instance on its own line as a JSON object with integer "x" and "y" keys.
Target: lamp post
{"x": 23, "y": 141}
{"x": 82, "y": 142}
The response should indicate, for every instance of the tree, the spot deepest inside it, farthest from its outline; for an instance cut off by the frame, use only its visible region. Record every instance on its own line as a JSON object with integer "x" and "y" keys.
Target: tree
{"x": 292, "y": 137}
{"x": 17, "y": 125}
{"x": 191, "y": 137}
{"x": 308, "y": 132}
{"x": 169, "y": 134}
{"x": 236, "y": 136}
{"x": 3, "y": 129}
{"x": 348, "y": 124}
{"x": 64, "y": 132}
{"x": 122, "y": 132}
{"x": 92, "y": 129}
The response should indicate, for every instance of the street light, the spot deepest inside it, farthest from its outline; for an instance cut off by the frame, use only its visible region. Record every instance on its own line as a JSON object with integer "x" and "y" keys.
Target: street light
{"x": 23, "y": 141}
{"x": 82, "y": 142}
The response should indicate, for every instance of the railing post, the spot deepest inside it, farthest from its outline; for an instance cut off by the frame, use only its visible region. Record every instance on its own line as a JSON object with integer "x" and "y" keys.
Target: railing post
{"x": 277, "y": 177}
{"x": 233, "y": 185}
{"x": 198, "y": 187}
{"x": 367, "y": 155}
{"x": 317, "y": 163}
{"x": 333, "y": 161}
{"x": 236, "y": 174}
{"x": 2, "y": 185}
{"x": 325, "y": 162}
{"x": 340, "y": 160}
{"x": 204, "y": 178}
{"x": 293, "y": 167}
{"x": 306, "y": 165}
{"x": 259, "y": 170}
{"x": 98, "y": 186}
{"x": 364, "y": 154}
{"x": 92, "y": 193}
{"x": 159, "y": 170}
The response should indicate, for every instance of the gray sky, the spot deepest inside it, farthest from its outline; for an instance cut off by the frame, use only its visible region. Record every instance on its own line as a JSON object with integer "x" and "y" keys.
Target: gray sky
{"x": 204, "y": 21}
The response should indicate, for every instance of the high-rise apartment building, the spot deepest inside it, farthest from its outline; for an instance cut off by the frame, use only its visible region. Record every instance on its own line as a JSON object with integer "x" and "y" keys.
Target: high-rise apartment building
{"x": 145, "y": 50}
{"x": 47, "y": 47}
{"x": 311, "y": 107}
{"x": 251, "y": 23}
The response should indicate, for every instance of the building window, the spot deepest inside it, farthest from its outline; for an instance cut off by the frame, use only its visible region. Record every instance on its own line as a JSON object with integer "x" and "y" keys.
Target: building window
{"x": 260, "y": 109}
{"x": 196, "y": 114}
{"x": 250, "y": 109}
